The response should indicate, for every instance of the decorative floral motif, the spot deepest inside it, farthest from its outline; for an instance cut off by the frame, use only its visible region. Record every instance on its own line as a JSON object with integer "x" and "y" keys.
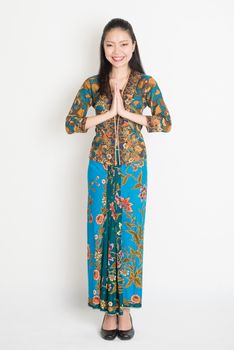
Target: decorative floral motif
{"x": 117, "y": 189}
{"x": 115, "y": 258}
{"x": 141, "y": 91}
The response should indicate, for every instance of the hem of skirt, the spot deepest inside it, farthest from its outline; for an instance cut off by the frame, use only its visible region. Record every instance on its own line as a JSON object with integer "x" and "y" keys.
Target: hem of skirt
{"x": 98, "y": 307}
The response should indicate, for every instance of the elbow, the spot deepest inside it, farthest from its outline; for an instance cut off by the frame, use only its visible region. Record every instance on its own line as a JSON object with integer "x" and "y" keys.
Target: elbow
{"x": 69, "y": 128}
{"x": 158, "y": 124}
{"x": 74, "y": 124}
{"x": 167, "y": 128}
{"x": 165, "y": 122}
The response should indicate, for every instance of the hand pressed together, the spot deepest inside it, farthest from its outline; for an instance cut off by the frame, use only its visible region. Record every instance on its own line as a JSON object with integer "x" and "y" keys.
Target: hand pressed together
{"x": 117, "y": 106}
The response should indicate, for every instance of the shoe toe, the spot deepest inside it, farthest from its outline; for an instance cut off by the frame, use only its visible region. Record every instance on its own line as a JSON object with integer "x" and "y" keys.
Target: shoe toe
{"x": 108, "y": 334}
{"x": 126, "y": 334}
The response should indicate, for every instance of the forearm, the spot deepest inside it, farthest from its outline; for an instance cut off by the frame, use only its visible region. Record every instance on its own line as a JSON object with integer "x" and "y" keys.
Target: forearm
{"x": 137, "y": 118}
{"x": 160, "y": 122}
{"x": 97, "y": 119}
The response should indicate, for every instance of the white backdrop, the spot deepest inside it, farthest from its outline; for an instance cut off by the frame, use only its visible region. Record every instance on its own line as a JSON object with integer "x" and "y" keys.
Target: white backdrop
{"x": 48, "y": 48}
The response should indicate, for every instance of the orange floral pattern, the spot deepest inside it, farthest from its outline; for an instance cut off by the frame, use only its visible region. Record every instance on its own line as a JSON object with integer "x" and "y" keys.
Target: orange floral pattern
{"x": 117, "y": 201}
{"x": 141, "y": 91}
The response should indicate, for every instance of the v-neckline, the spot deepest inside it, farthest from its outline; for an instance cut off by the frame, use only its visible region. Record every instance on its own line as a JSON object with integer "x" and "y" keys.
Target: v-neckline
{"x": 127, "y": 94}
{"x": 128, "y": 83}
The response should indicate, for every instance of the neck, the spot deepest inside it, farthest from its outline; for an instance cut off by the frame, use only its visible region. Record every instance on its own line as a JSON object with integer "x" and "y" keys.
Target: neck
{"x": 120, "y": 72}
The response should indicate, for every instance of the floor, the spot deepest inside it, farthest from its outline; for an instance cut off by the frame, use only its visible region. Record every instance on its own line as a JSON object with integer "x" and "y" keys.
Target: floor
{"x": 163, "y": 323}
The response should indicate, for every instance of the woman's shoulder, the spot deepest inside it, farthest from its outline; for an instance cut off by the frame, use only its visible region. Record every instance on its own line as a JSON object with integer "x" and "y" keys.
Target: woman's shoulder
{"x": 92, "y": 79}
{"x": 147, "y": 77}
{"x": 148, "y": 80}
{"x": 91, "y": 82}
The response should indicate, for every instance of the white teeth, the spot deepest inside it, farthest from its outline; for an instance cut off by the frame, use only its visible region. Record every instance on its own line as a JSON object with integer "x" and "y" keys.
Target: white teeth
{"x": 118, "y": 59}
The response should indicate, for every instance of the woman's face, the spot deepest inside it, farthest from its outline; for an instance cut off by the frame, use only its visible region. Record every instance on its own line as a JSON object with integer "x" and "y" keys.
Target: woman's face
{"x": 118, "y": 47}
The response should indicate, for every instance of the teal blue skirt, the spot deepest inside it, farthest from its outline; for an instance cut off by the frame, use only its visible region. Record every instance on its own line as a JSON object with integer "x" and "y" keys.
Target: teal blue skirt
{"x": 115, "y": 232}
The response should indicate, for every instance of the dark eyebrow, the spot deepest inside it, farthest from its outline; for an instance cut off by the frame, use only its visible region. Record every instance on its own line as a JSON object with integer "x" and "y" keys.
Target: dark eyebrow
{"x": 109, "y": 41}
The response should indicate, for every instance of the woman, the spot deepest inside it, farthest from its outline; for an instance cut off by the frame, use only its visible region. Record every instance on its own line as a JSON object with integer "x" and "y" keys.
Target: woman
{"x": 117, "y": 174}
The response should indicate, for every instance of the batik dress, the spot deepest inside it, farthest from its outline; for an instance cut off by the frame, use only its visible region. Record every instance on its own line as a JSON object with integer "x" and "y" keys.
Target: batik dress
{"x": 117, "y": 192}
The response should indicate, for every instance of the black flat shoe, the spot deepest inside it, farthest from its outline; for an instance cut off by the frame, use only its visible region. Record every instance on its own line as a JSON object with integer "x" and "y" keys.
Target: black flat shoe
{"x": 108, "y": 334}
{"x": 126, "y": 334}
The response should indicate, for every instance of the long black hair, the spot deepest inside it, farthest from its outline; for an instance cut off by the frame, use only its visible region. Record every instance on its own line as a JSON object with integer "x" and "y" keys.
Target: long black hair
{"x": 105, "y": 65}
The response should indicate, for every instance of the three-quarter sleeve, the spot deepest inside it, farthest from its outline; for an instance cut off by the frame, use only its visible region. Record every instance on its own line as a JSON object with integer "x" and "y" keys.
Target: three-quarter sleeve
{"x": 76, "y": 118}
{"x": 160, "y": 119}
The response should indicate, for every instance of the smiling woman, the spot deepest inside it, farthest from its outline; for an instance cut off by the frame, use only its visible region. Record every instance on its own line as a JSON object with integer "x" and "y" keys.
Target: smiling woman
{"x": 117, "y": 173}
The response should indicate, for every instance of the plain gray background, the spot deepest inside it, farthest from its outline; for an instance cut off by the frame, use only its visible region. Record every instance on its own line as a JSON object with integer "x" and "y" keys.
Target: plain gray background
{"x": 48, "y": 48}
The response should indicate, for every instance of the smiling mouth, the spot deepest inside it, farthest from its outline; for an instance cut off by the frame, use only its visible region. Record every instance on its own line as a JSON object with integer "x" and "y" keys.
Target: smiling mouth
{"x": 117, "y": 59}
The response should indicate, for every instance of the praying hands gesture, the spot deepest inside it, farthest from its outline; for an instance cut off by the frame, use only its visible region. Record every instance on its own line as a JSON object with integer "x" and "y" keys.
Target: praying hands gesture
{"x": 117, "y": 106}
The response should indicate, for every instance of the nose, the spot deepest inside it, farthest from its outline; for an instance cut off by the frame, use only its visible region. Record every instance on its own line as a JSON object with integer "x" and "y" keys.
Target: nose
{"x": 116, "y": 52}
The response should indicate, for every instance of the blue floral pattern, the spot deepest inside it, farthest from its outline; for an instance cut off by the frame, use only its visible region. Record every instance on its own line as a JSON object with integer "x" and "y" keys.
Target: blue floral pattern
{"x": 116, "y": 216}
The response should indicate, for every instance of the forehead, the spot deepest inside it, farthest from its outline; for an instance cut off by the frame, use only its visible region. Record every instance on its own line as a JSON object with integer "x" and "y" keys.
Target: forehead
{"x": 117, "y": 35}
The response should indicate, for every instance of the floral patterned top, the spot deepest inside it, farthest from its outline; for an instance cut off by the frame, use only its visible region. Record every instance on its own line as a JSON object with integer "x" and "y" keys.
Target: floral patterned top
{"x": 119, "y": 140}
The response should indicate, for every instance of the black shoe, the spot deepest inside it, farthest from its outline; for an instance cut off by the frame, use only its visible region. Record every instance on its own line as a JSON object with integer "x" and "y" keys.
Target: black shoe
{"x": 108, "y": 334}
{"x": 126, "y": 334}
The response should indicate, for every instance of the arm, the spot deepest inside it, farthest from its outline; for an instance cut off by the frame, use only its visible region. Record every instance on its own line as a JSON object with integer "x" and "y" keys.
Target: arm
{"x": 137, "y": 118}
{"x": 76, "y": 120}
{"x": 97, "y": 119}
{"x": 160, "y": 119}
